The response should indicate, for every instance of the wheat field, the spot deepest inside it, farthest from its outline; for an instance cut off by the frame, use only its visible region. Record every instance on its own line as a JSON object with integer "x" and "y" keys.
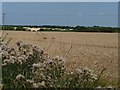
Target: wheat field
{"x": 94, "y": 50}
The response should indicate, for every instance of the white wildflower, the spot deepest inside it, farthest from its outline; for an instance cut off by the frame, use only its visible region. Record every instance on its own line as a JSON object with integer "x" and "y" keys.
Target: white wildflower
{"x": 22, "y": 58}
{"x": 35, "y": 65}
{"x": 7, "y": 61}
{"x": 71, "y": 72}
{"x": 42, "y": 84}
{"x": 49, "y": 61}
{"x": 86, "y": 70}
{"x": 13, "y": 57}
{"x": 12, "y": 52}
{"x": 35, "y": 85}
{"x": 56, "y": 57}
{"x": 99, "y": 87}
{"x": 38, "y": 65}
{"x": 42, "y": 76}
{"x": 12, "y": 61}
{"x": 4, "y": 64}
{"x": 109, "y": 87}
{"x": 20, "y": 77}
{"x": 20, "y": 62}
{"x": 94, "y": 77}
{"x": 30, "y": 82}
{"x": 79, "y": 71}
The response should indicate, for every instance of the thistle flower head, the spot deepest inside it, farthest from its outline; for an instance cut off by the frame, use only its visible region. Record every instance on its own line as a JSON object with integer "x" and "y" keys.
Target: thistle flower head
{"x": 38, "y": 65}
{"x": 78, "y": 71}
{"x": 94, "y": 77}
{"x": 35, "y": 85}
{"x": 30, "y": 82}
{"x": 41, "y": 84}
{"x": 20, "y": 77}
{"x": 20, "y": 62}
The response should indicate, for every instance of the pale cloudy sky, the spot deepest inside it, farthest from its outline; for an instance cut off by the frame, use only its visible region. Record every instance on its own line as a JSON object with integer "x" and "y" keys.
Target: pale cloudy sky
{"x": 61, "y": 13}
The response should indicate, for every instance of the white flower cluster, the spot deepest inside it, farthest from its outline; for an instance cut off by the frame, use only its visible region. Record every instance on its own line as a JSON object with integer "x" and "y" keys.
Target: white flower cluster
{"x": 86, "y": 73}
{"x": 49, "y": 70}
{"x": 21, "y": 56}
{"x": 29, "y": 66}
{"x": 21, "y": 60}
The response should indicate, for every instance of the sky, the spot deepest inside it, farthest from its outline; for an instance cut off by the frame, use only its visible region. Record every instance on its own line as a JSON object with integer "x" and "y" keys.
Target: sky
{"x": 60, "y": 0}
{"x": 61, "y": 13}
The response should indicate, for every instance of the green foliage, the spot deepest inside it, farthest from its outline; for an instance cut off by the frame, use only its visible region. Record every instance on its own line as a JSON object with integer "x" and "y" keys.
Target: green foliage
{"x": 8, "y": 27}
{"x": 95, "y": 29}
{"x": 20, "y": 28}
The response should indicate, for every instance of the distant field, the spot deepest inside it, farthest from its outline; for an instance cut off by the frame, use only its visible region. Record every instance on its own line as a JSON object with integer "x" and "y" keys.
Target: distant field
{"x": 94, "y": 50}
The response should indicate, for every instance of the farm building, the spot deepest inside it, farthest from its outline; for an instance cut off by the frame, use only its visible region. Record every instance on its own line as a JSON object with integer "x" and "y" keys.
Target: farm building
{"x": 31, "y": 29}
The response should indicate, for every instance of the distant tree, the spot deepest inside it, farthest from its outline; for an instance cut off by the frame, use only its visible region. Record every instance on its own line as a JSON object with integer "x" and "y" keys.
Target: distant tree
{"x": 20, "y": 28}
{"x": 8, "y": 27}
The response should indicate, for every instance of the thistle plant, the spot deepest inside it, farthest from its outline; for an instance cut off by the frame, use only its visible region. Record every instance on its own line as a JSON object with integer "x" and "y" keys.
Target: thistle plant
{"x": 29, "y": 66}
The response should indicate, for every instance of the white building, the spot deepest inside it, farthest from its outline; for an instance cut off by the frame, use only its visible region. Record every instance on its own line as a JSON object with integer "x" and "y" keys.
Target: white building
{"x": 31, "y": 29}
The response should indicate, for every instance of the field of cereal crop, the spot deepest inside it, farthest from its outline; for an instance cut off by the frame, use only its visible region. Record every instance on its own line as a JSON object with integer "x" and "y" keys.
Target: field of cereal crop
{"x": 94, "y": 50}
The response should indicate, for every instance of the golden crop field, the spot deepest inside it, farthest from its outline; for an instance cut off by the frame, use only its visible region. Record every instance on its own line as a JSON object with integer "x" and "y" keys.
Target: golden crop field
{"x": 94, "y": 50}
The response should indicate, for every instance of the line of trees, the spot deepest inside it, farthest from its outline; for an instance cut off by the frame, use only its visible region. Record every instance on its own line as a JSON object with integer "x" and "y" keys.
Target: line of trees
{"x": 95, "y": 29}
{"x": 11, "y": 27}
{"x": 67, "y": 28}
